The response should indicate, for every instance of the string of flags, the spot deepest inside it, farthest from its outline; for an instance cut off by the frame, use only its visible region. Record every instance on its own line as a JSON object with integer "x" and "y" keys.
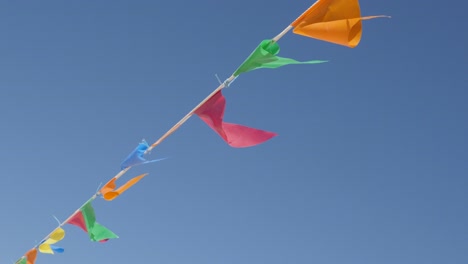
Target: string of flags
{"x": 334, "y": 21}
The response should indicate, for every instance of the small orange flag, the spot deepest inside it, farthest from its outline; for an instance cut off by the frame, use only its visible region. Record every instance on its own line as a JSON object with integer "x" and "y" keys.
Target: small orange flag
{"x": 29, "y": 257}
{"x": 336, "y": 21}
{"x": 109, "y": 192}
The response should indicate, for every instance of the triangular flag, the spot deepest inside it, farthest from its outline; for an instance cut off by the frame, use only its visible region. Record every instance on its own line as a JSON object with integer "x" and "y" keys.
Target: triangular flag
{"x": 109, "y": 192}
{"x": 212, "y": 113}
{"x": 46, "y": 246}
{"x": 29, "y": 257}
{"x": 86, "y": 220}
{"x": 264, "y": 56}
{"x": 136, "y": 156}
{"x": 336, "y": 21}
{"x": 22, "y": 260}
{"x": 78, "y": 220}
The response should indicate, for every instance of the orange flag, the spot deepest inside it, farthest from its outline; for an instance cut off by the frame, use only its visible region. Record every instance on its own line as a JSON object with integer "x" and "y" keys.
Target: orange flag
{"x": 109, "y": 192}
{"x": 336, "y": 21}
{"x": 31, "y": 256}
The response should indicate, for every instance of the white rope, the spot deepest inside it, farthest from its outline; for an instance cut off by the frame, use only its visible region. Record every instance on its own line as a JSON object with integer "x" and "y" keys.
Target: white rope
{"x": 222, "y": 85}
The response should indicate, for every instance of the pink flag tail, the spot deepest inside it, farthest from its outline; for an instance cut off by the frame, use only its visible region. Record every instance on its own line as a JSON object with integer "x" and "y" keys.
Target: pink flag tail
{"x": 238, "y": 136}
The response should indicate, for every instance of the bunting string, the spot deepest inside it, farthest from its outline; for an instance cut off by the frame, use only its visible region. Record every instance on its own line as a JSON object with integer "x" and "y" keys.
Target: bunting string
{"x": 334, "y": 21}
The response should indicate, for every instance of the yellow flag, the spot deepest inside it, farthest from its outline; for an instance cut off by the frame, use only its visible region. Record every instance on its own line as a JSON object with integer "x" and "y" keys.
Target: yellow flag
{"x": 57, "y": 235}
{"x": 336, "y": 21}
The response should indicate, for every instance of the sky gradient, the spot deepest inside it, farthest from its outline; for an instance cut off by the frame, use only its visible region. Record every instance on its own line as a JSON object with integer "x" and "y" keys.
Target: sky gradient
{"x": 369, "y": 165}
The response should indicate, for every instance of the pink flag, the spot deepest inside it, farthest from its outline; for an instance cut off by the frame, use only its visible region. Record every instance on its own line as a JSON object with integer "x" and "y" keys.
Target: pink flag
{"x": 238, "y": 136}
{"x": 78, "y": 220}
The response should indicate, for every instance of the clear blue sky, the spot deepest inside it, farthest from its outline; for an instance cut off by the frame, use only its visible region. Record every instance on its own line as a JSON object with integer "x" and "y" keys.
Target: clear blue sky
{"x": 370, "y": 165}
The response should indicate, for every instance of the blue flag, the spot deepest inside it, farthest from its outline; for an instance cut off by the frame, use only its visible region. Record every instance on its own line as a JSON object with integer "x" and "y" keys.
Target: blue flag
{"x": 136, "y": 157}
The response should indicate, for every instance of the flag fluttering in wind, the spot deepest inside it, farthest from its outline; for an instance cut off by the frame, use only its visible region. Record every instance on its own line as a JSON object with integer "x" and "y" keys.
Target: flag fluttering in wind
{"x": 86, "y": 220}
{"x": 336, "y": 21}
{"x": 47, "y": 246}
{"x": 109, "y": 192}
{"x": 264, "y": 56}
{"x": 29, "y": 257}
{"x": 136, "y": 156}
{"x": 238, "y": 136}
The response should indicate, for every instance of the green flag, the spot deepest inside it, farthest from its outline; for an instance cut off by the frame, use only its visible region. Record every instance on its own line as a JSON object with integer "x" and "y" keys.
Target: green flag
{"x": 21, "y": 261}
{"x": 96, "y": 231}
{"x": 85, "y": 219}
{"x": 264, "y": 56}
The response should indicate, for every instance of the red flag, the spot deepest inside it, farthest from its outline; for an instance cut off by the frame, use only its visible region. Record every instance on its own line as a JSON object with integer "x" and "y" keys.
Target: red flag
{"x": 238, "y": 136}
{"x": 79, "y": 221}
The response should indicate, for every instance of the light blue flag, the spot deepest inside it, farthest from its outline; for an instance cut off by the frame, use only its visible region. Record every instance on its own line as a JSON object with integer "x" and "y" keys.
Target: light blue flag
{"x": 57, "y": 249}
{"x": 136, "y": 157}
{"x": 50, "y": 249}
